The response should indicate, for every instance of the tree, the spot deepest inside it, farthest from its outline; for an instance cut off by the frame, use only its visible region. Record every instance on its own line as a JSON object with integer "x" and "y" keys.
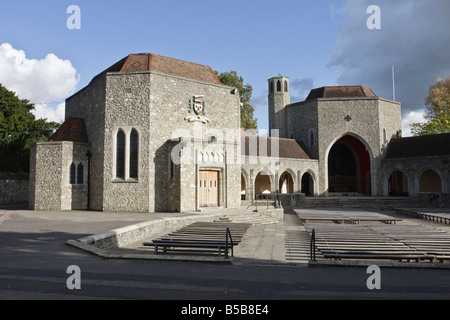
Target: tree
{"x": 245, "y": 91}
{"x": 19, "y": 130}
{"x": 437, "y": 111}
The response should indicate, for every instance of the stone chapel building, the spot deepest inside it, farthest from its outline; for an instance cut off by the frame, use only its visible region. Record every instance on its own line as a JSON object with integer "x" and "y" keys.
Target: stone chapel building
{"x": 153, "y": 133}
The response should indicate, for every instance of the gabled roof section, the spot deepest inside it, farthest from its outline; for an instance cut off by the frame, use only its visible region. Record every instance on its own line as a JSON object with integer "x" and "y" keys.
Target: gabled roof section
{"x": 341, "y": 92}
{"x": 288, "y": 148}
{"x": 420, "y": 146}
{"x": 153, "y": 62}
{"x": 73, "y": 129}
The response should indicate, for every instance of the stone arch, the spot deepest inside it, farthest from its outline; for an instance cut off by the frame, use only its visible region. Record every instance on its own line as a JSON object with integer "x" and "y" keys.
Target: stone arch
{"x": 430, "y": 180}
{"x": 398, "y": 184}
{"x": 349, "y": 165}
{"x": 286, "y": 182}
{"x": 308, "y": 183}
{"x": 278, "y": 86}
{"x": 244, "y": 185}
{"x": 263, "y": 184}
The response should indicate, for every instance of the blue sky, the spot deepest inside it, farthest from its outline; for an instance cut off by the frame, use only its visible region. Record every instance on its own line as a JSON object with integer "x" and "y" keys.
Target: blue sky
{"x": 315, "y": 43}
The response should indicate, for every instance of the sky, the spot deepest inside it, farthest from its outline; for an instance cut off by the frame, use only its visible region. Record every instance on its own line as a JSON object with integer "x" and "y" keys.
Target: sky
{"x": 314, "y": 43}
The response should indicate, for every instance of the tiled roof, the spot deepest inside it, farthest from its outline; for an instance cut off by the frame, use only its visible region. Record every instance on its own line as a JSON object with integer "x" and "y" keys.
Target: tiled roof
{"x": 288, "y": 148}
{"x": 341, "y": 92}
{"x": 72, "y": 129}
{"x": 420, "y": 146}
{"x": 166, "y": 65}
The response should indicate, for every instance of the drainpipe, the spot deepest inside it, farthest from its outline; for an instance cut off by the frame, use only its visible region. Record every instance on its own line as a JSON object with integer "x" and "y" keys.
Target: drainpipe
{"x": 89, "y": 156}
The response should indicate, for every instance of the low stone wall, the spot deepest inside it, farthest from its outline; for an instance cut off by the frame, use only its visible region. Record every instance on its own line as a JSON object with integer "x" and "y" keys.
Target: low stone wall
{"x": 431, "y": 199}
{"x": 291, "y": 201}
{"x": 13, "y": 191}
{"x": 124, "y": 236}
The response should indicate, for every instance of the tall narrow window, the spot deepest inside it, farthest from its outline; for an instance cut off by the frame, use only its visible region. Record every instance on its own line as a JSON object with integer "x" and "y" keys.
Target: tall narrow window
{"x": 72, "y": 173}
{"x": 271, "y": 87}
{"x": 278, "y": 86}
{"x": 80, "y": 173}
{"x": 285, "y": 86}
{"x": 134, "y": 154}
{"x": 120, "y": 155}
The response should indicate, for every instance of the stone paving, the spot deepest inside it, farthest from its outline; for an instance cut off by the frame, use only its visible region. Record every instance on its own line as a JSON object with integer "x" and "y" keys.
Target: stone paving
{"x": 283, "y": 242}
{"x": 273, "y": 238}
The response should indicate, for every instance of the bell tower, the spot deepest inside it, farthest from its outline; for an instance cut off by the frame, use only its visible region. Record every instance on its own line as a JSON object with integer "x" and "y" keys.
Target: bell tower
{"x": 279, "y": 98}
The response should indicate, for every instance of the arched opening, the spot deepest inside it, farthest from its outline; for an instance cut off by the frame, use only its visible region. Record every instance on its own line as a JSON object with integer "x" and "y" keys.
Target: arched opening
{"x": 398, "y": 184}
{"x": 286, "y": 184}
{"x": 243, "y": 188}
{"x": 134, "y": 154}
{"x": 307, "y": 184}
{"x": 349, "y": 167}
{"x": 430, "y": 181}
{"x": 120, "y": 155}
{"x": 286, "y": 86}
{"x": 278, "y": 86}
{"x": 262, "y": 186}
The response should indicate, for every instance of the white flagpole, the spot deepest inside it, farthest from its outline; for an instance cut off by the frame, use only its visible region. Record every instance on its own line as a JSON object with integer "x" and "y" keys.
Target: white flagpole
{"x": 393, "y": 81}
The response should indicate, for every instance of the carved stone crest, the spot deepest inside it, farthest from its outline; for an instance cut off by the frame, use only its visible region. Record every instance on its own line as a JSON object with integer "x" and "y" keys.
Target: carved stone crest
{"x": 197, "y": 105}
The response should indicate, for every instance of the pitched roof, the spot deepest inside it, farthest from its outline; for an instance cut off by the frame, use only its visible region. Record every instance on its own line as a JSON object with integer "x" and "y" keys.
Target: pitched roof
{"x": 288, "y": 148}
{"x": 153, "y": 62}
{"x": 420, "y": 146}
{"x": 341, "y": 92}
{"x": 73, "y": 129}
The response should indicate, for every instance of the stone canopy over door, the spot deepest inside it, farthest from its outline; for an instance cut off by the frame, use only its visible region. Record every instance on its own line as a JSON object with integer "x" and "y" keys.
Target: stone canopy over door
{"x": 209, "y": 188}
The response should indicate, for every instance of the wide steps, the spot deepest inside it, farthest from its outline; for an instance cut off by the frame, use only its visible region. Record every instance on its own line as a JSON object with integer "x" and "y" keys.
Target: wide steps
{"x": 359, "y": 202}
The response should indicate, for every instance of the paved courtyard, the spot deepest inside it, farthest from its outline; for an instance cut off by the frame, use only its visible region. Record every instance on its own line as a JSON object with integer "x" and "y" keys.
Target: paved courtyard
{"x": 267, "y": 241}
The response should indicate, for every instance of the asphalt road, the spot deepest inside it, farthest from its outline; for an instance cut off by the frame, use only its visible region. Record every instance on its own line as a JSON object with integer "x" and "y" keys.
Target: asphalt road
{"x": 34, "y": 260}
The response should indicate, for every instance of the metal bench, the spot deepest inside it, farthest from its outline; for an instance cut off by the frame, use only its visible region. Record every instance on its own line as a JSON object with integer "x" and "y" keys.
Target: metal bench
{"x": 202, "y": 235}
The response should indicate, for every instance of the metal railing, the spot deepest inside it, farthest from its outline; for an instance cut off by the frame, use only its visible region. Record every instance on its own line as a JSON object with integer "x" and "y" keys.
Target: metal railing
{"x": 228, "y": 244}
{"x": 266, "y": 197}
{"x": 312, "y": 246}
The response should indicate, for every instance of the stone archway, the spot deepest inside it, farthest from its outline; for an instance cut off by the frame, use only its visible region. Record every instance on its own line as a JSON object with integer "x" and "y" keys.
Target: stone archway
{"x": 263, "y": 183}
{"x": 307, "y": 184}
{"x": 244, "y": 195}
{"x": 286, "y": 183}
{"x": 430, "y": 181}
{"x": 349, "y": 168}
{"x": 398, "y": 184}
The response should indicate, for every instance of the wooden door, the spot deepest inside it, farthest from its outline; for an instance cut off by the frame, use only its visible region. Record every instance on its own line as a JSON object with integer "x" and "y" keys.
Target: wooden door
{"x": 208, "y": 188}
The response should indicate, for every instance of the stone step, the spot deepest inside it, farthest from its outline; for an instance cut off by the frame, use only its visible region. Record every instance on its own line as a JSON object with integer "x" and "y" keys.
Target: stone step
{"x": 351, "y": 202}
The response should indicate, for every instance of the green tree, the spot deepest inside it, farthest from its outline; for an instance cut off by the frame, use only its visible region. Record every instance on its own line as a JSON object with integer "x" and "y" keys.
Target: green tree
{"x": 437, "y": 111}
{"x": 19, "y": 130}
{"x": 245, "y": 91}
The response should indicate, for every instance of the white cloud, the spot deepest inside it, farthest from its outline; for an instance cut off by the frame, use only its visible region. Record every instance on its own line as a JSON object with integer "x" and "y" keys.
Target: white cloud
{"x": 410, "y": 118}
{"x": 44, "y": 111}
{"x": 43, "y": 81}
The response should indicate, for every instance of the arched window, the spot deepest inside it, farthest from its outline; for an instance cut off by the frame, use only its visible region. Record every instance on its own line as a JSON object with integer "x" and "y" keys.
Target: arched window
{"x": 72, "y": 174}
{"x": 285, "y": 86}
{"x": 80, "y": 174}
{"x": 271, "y": 87}
{"x": 278, "y": 86}
{"x": 134, "y": 154}
{"x": 120, "y": 155}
